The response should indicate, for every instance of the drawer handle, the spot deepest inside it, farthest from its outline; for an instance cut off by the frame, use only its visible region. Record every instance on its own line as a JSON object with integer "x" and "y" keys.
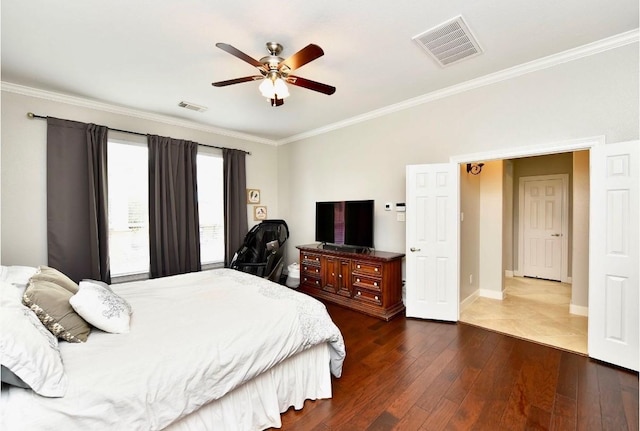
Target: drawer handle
{"x": 333, "y": 274}
{"x": 316, "y": 270}
{"x": 376, "y": 298}
{"x": 339, "y": 275}
{"x": 357, "y": 280}
{"x": 317, "y": 282}
{"x": 375, "y": 283}
{"x": 317, "y": 258}
{"x": 376, "y": 270}
{"x": 359, "y": 293}
{"x": 358, "y": 266}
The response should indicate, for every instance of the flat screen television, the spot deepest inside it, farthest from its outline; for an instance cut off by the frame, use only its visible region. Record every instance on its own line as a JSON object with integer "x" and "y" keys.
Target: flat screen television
{"x": 345, "y": 223}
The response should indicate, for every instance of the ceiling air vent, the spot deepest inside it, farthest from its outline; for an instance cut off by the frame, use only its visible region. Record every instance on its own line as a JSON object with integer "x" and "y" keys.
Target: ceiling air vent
{"x": 192, "y": 106}
{"x": 449, "y": 42}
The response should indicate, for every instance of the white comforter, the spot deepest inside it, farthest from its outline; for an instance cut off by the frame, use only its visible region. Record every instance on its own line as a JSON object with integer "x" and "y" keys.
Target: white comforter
{"x": 193, "y": 338}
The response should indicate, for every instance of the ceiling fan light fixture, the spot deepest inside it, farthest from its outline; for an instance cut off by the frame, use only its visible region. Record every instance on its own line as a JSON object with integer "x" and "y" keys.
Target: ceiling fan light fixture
{"x": 274, "y": 89}
{"x": 281, "y": 88}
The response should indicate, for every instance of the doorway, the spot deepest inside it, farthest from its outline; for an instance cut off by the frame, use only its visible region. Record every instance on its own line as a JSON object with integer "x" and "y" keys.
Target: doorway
{"x": 530, "y": 199}
{"x": 604, "y": 247}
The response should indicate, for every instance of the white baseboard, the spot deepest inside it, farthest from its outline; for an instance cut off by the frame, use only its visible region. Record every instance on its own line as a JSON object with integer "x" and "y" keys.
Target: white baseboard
{"x": 508, "y": 273}
{"x": 579, "y": 310}
{"x": 493, "y": 294}
{"x": 469, "y": 299}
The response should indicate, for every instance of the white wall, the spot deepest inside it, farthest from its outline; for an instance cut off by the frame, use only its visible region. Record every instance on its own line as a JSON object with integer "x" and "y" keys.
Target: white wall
{"x": 23, "y": 175}
{"x": 596, "y": 95}
{"x": 491, "y": 213}
{"x": 469, "y": 233}
{"x": 580, "y": 222}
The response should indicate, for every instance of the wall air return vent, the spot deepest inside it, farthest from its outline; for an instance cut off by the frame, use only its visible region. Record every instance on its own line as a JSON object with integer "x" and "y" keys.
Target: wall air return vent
{"x": 449, "y": 42}
{"x": 192, "y": 106}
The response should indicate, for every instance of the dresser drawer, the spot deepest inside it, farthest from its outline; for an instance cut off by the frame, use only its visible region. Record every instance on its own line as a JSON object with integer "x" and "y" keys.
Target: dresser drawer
{"x": 312, "y": 270}
{"x": 367, "y": 296}
{"x": 366, "y": 282}
{"x": 309, "y": 258}
{"x": 372, "y": 268}
{"x": 311, "y": 281}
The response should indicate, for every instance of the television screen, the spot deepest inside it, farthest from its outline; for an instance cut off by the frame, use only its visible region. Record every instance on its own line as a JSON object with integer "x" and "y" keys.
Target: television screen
{"x": 347, "y": 223}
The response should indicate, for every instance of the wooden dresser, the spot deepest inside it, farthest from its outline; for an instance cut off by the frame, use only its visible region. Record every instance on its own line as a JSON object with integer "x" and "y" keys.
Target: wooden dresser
{"x": 368, "y": 282}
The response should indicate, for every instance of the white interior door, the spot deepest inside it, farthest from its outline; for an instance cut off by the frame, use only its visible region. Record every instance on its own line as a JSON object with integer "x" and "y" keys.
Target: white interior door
{"x": 543, "y": 232}
{"x": 613, "y": 254}
{"x": 432, "y": 241}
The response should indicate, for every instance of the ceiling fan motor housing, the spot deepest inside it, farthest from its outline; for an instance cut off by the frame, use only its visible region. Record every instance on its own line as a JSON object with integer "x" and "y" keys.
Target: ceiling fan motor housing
{"x": 273, "y": 60}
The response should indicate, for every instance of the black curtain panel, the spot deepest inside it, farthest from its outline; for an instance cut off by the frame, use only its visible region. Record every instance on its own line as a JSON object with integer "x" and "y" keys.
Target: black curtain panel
{"x": 77, "y": 216}
{"x": 174, "y": 227}
{"x": 235, "y": 204}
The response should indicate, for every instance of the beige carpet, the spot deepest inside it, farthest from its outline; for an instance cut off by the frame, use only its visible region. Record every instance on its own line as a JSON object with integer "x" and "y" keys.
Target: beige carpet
{"x": 536, "y": 310}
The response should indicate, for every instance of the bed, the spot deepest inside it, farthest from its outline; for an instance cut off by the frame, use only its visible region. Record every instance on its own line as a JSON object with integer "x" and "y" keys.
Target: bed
{"x": 211, "y": 350}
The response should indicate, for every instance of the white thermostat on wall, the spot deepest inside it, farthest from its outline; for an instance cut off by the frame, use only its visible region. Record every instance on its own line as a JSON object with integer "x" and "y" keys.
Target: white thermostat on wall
{"x": 400, "y": 207}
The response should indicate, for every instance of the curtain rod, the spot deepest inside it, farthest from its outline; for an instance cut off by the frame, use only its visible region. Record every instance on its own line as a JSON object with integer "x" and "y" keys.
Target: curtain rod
{"x": 32, "y": 115}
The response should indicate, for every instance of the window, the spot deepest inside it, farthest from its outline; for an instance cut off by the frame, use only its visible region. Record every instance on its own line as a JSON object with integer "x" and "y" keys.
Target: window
{"x": 129, "y": 206}
{"x": 210, "y": 207}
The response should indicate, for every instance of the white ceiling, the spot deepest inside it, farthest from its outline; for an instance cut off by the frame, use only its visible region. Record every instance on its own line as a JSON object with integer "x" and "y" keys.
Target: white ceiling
{"x": 149, "y": 55}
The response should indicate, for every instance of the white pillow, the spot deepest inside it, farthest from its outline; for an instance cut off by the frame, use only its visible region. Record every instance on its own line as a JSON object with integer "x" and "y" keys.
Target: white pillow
{"x": 30, "y": 351}
{"x": 17, "y": 277}
{"x": 102, "y": 308}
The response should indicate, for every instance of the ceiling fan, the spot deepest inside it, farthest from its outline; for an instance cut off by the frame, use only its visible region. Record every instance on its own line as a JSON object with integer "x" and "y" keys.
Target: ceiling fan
{"x": 275, "y": 71}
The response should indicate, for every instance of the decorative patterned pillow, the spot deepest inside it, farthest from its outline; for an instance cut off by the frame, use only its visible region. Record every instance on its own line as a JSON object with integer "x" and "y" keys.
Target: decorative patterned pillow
{"x": 52, "y": 275}
{"x": 50, "y": 302}
{"x": 101, "y": 307}
{"x": 30, "y": 352}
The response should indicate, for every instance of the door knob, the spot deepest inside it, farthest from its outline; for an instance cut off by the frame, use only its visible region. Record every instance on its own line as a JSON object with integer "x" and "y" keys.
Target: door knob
{"x": 414, "y": 249}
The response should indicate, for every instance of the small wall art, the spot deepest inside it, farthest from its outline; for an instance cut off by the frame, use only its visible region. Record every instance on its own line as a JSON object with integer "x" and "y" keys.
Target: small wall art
{"x": 253, "y": 196}
{"x": 259, "y": 212}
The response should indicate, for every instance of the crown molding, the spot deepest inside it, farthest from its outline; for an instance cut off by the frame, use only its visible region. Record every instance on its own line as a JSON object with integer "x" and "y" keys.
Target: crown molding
{"x": 590, "y": 49}
{"x": 115, "y": 109}
{"x": 594, "y": 48}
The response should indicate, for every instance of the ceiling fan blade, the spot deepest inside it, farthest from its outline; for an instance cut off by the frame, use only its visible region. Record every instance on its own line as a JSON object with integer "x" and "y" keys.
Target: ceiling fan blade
{"x": 311, "y": 85}
{"x": 302, "y": 57}
{"x": 241, "y": 55}
{"x": 237, "y": 81}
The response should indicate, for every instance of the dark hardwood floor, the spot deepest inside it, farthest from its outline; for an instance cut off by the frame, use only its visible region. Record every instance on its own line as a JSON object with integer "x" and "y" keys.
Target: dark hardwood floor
{"x": 410, "y": 374}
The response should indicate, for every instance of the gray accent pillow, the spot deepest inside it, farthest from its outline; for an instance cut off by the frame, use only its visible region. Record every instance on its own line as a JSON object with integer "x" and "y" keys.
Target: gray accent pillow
{"x": 50, "y": 303}
{"x": 46, "y": 273}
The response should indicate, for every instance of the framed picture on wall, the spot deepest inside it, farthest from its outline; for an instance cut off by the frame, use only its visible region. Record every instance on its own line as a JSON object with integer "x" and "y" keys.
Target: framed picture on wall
{"x": 259, "y": 212}
{"x": 253, "y": 196}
